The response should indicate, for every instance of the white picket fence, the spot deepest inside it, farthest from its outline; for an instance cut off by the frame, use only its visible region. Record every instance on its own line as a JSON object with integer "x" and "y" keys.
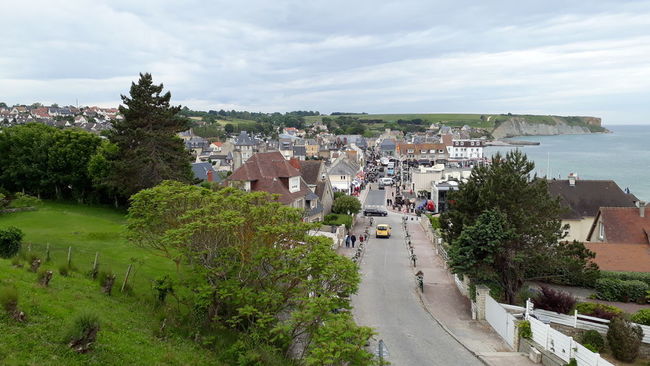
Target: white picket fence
{"x": 563, "y": 346}
{"x": 583, "y": 322}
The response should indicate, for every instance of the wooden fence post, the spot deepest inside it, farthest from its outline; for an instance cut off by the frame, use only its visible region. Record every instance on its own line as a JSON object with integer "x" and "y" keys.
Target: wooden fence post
{"x": 94, "y": 271}
{"x": 47, "y": 253}
{"x": 126, "y": 278}
{"x": 575, "y": 318}
{"x": 69, "y": 256}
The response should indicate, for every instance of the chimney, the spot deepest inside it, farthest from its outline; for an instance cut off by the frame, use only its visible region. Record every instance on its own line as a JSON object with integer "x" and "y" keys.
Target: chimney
{"x": 641, "y": 205}
{"x": 572, "y": 179}
{"x": 210, "y": 176}
{"x": 295, "y": 163}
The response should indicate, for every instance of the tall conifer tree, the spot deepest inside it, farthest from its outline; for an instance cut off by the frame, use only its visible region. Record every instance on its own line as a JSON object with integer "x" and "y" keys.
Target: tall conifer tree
{"x": 148, "y": 149}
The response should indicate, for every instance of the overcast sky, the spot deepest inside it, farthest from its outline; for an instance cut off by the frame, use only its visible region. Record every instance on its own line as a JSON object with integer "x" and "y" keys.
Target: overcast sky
{"x": 541, "y": 57}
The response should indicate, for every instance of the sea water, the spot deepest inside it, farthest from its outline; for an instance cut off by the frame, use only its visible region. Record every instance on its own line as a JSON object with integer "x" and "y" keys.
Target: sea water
{"x": 622, "y": 156}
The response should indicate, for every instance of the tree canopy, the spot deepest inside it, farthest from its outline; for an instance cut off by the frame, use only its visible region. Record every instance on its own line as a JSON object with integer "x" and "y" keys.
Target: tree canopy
{"x": 503, "y": 220}
{"x": 346, "y": 205}
{"x": 46, "y": 161}
{"x": 252, "y": 267}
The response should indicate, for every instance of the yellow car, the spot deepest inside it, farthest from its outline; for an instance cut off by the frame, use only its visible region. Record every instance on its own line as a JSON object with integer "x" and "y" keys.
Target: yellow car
{"x": 383, "y": 231}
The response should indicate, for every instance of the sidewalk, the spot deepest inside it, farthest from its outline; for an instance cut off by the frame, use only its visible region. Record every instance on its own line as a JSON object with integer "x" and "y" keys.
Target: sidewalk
{"x": 448, "y": 307}
{"x": 357, "y": 229}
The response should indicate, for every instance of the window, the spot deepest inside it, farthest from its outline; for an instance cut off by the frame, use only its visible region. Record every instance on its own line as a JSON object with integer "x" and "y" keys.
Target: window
{"x": 423, "y": 151}
{"x": 343, "y": 177}
{"x": 410, "y": 151}
{"x": 601, "y": 231}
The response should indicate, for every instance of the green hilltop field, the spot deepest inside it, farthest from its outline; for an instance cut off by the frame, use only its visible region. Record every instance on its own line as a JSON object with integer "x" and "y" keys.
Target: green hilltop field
{"x": 129, "y": 321}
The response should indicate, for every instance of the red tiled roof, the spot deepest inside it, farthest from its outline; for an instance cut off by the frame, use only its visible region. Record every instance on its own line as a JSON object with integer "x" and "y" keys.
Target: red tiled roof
{"x": 625, "y": 225}
{"x": 621, "y": 256}
{"x": 270, "y": 172}
{"x": 265, "y": 165}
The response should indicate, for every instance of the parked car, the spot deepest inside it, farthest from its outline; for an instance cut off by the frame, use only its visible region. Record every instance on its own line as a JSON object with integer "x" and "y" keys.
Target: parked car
{"x": 374, "y": 212}
{"x": 383, "y": 231}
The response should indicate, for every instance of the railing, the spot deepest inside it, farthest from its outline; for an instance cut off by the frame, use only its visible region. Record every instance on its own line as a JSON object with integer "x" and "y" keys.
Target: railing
{"x": 581, "y": 321}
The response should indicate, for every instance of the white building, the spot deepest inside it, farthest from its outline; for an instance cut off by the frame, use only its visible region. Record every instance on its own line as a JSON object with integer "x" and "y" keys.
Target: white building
{"x": 466, "y": 149}
{"x": 342, "y": 174}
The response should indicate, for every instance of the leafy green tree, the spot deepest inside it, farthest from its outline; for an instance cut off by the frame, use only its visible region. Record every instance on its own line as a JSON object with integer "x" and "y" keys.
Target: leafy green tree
{"x": 249, "y": 264}
{"x": 229, "y": 128}
{"x": 44, "y": 160}
{"x": 346, "y": 205}
{"x": 10, "y": 241}
{"x": 340, "y": 342}
{"x": 530, "y": 221}
{"x": 149, "y": 150}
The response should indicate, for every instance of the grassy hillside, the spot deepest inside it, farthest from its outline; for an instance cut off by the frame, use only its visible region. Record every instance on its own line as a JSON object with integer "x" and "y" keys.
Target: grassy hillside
{"x": 88, "y": 230}
{"x": 473, "y": 120}
{"x": 129, "y": 321}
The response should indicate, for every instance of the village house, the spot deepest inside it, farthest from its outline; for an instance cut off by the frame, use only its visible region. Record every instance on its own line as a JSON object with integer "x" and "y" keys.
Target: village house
{"x": 467, "y": 149}
{"x": 314, "y": 173}
{"x": 582, "y": 200}
{"x": 620, "y": 237}
{"x": 342, "y": 174}
{"x": 245, "y": 147}
{"x": 271, "y": 172}
{"x": 424, "y": 151}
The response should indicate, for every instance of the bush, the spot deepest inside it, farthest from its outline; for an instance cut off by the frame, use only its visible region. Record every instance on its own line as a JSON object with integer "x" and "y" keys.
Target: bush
{"x": 624, "y": 339}
{"x": 10, "y": 241}
{"x": 626, "y": 276}
{"x": 163, "y": 286}
{"x": 591, "y": 347}
{"x": 611, "y": 289}
{"x": 602, "y": 311}
{"x": 642, "y": 317}
{"x": 346, "y": 205}
{"x": 9, "y": 299}
{"x": 524, "y": 330}
{"x": 435, "y": 222}
{"x": 594, "y": 339}
{"x": 338, "y": 219}
{"x": 24, "y": 200}
{"x": 82, "y": 332}
{"x": 553, "y": 300}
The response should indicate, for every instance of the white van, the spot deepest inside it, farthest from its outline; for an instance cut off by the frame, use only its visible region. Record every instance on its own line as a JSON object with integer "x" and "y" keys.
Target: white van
{"x": 386, "y": 181}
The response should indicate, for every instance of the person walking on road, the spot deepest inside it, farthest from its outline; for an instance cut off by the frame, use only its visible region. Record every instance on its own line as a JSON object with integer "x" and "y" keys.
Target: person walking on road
{"x": 353, "y": 239}
{"x": 347, "y": 241}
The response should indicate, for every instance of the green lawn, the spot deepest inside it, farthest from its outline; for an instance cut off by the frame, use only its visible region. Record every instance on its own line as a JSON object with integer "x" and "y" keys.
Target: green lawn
{"x": 88, "y": 230}
{"x": 128, "y": 321}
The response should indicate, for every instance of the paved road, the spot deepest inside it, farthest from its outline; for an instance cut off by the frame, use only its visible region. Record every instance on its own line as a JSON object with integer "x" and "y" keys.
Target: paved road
{"x": 387, "y": 302}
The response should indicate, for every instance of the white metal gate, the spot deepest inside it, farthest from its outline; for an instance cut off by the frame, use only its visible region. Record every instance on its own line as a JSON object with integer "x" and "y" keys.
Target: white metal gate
{"x": 500, "y": 320}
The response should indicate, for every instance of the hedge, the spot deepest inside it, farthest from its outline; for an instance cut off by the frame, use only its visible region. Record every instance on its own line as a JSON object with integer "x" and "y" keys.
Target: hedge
{"x": 611, "y": 289}
{"x": 338, "y": 219}
{"x": 626, "y": 276}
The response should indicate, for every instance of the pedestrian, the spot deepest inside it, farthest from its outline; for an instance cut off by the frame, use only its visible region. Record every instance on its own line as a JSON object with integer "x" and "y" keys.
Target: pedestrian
{"x": 354, "y": 239}
{"x": 361, "y": 238}
{"x": 347, "y": 241}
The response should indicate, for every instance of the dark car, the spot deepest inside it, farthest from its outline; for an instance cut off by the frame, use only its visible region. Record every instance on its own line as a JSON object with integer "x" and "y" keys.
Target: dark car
{"x": 374, "y": 212}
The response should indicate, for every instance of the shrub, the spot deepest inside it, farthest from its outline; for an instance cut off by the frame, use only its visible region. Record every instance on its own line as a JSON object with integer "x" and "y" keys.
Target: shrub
{"x": 10, "y": 241}
{"x": 9, "y": 299}
{"x": 82, "y": 332}
{"x": 634, "y": 290}
{"x": 624, "y": 339}
{"x": 594, "y": 339}
{"x": 3, "y": 200}
{"x": 602, "y": 311}
{"x": 336, "y": 219}
{"x": 524, "y": 294}
{"x": 611, "y": 289}
{"x": 591, "y": 347}
{"x": 24, "y": 200}
{"x": 553, "y": 300}
{"x": 435, "y": 222}
{"x": 163, "y": 286}
{"x": 346, "y": 205}
{"x": 642, "y": 317}
{"x": 524, "y": 331}
{"x": 626, "y": 276}
{"x": 573, "y": 362}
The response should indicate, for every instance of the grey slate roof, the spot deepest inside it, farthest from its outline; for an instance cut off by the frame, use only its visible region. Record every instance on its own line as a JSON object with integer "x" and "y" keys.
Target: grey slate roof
{"x": 588, "y": 196}
{"x": 343, "y": 167}
{"x": 244, "y": 140}
{"x": 200, "y": 171}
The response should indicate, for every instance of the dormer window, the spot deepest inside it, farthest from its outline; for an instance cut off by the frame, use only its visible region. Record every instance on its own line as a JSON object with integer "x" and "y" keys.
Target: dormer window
{"x": 601, "y": 231}
{"x": 294, "y": 184}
